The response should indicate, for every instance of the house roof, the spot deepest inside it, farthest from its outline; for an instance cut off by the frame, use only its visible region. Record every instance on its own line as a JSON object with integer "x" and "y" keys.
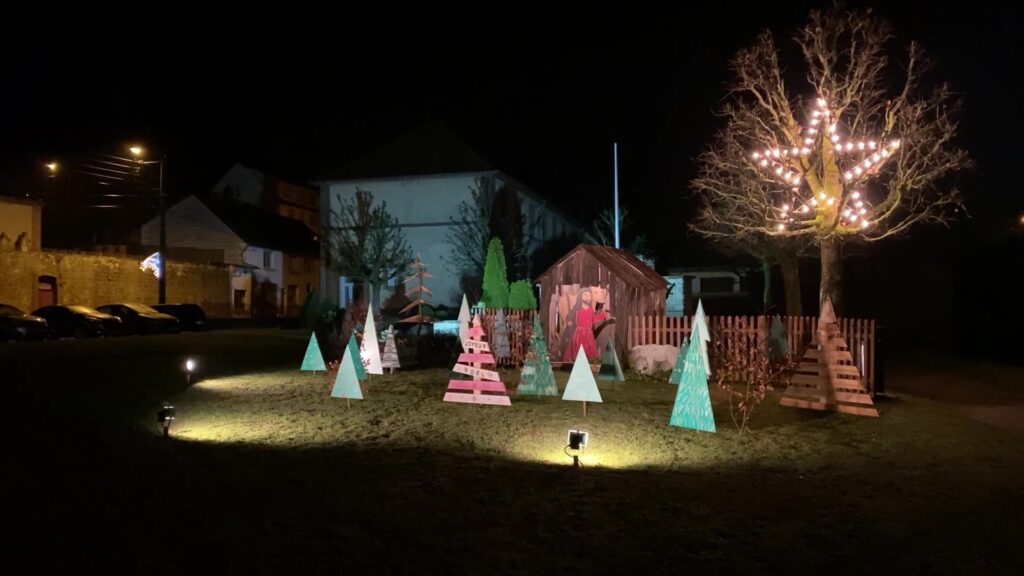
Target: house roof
{"x": 430, "y": 149}
{"x": 258, "y": 227}
{"x": 619, "y": 262}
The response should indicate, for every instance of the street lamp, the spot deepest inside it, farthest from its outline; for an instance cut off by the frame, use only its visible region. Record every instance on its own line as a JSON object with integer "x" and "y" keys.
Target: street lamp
{"x": 52, "y": 167}
{"x": 137, "y": 153}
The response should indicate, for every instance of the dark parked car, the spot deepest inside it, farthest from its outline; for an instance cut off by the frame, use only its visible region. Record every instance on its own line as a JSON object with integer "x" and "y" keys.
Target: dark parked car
{"x": 77, "y": 321}
{"x": 141, "y": 319}
{"x": 190, "y": 316}
{"x": 16, "y": 325}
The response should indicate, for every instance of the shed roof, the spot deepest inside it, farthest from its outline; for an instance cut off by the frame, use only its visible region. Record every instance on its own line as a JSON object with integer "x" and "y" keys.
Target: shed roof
{"x": 619, "y": 262}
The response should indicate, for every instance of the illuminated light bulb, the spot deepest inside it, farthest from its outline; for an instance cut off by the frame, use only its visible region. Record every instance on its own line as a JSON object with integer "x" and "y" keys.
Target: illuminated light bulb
{"x": 849, "y": 176}
{"x": 860, "y": 145}
{"x": 778, "y": 170}
{"x": 821, "y": 102}
{"x": 895, "y": 143}
{"x": 764, "y": 162}
{"x": 835, "y": 137}
{"x": 804, "y": 209}
{"x": 785, "y": 207}
{"x": 847, "y": 212}
{"x": 795, "y": 151}
{"x": 821, "y": 195}
{"x": 814, "y": 201}
{"x": 755, "y": 155}
{"x": 865, "y": 224}
{"x": 863, "y": 211}
{"x": 814, "y": 122}
{"x": 812, "y": 130}
{"x": 858, "y": 203}
{"x": 775, "y": 153}
{"x": 831, "y": 201}
{"x": 816, "y": 113}
{"x": 871, "y": 144}
{"x": 853, "y": 218}
{"x": 885, "y": 153}
{"x": 781, "y": 227}
{"x": 867, "y": 163}
{"x": 856, "y": 195}
{"x": 808, "y": 140}
{"x": 849, "y": 145}
{"x": 876, "y": 157}
{"x": 805, "y": 151}
{"x": 858, "y": 171}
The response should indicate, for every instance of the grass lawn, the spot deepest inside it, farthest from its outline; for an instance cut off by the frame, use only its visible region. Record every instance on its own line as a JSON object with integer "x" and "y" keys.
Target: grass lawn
{"x": 267, "y": 474}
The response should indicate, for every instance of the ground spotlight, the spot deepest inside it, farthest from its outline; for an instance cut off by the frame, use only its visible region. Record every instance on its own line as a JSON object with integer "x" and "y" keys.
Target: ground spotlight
{"x": 190, "y": 366}
{"x": 164, "y": 416}
{"x": 577, "y": 441}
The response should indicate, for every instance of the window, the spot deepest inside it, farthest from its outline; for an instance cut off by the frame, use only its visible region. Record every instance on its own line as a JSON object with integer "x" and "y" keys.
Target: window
{"x": 268, "y": 258}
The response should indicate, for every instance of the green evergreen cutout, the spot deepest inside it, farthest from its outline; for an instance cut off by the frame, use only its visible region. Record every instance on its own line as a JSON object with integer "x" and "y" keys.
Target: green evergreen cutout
{"x": 778, "y": 342}
{"x": 692, "y": 408}
{"x": 353, "y": 349}
{"x": 520, "y": 296}
{"x": 346, "y": 383}
{"x": 495, "y": 276}
{"x": 610, "y": 367}
{"x": 313, "y": 360}
{"x": 537, "y": 377}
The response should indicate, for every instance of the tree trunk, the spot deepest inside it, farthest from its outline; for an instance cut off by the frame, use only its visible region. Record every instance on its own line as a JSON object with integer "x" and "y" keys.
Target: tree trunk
{"x": 790, "y": 265}
{"x": 831, "y": 273}
{"x": 374, "y": 296}
{"x": 766, "y": 271}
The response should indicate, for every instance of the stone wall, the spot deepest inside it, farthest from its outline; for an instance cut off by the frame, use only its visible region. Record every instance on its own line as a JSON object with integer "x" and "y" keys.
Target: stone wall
{"x": 94, "y": 280}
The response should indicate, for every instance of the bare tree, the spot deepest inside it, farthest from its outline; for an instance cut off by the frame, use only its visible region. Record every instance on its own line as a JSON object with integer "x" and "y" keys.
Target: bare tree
{"x": 469, "y": 231}
{"x": 602, "y": 232}
{"x": 846, "y": 156}
{"x": 365, "y": 242}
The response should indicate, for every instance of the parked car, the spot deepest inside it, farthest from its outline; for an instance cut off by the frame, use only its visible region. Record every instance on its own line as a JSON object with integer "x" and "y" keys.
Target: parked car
{"x": 16, "y": 325}
{"x": 141, "y": 319}
{"x": 77, "y": 321}
{"x": 190, "y": 316}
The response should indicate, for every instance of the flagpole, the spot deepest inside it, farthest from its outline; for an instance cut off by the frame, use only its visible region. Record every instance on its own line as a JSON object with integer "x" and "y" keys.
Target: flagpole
{"x": 615, "y": 155}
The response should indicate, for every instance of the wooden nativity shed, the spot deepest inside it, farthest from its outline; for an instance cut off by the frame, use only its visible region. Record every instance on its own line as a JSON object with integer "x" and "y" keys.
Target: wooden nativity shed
{"x": 626, "y": 286}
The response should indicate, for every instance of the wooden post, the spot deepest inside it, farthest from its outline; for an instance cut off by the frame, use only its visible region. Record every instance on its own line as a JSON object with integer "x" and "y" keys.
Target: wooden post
{"x": 584, "y": 408}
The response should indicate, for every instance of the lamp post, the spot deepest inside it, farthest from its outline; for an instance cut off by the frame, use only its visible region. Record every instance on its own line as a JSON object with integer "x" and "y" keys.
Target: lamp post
{"x": 137, "y": 153}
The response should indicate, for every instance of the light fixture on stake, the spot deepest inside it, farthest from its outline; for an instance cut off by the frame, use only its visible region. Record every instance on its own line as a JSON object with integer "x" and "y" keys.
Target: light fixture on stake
{"x": 190, "y": 366}
{"x": 577, "y": 442}
{"x": 164, "y": 416}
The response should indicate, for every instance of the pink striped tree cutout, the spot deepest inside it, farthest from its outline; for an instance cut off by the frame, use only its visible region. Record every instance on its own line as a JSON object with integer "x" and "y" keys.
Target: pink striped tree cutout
{"x": 482, "y": 386}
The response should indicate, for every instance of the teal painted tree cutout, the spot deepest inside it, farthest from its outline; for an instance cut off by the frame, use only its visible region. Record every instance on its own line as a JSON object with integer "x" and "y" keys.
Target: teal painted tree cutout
{"x": 346, "y": 383}
{"x": 581, "y": 386}
{"x": 390, "y": 359}
{"x": 677, "y": 370}
{"x": 313, "y": 360}
{"x": 357, "y": 360}
{"x": 501, "y": 347}
{"x": 693, "y": 399}
{"x": 778, "y": 342}
{"x": 537, "y": 377}
{"x": 701, "y": 321}
{"x": 610, "y": 367}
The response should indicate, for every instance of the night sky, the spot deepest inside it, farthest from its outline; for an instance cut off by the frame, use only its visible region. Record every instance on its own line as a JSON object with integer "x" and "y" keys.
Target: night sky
{"x": 539, "y": 94}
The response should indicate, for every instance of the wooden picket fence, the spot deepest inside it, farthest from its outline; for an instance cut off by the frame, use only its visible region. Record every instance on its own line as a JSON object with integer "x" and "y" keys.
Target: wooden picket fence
{"x": 520, "y": 329}
{"x": 753, "y": 331}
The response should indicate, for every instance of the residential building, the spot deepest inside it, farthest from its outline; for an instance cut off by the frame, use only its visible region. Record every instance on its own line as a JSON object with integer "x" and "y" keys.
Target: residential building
{"x": 244, "y": 184}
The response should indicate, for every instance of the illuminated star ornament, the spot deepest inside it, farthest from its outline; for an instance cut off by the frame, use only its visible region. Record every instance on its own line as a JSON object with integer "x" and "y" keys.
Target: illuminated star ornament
{"x": 151, "y": 264}
{"x": 791, "y": 166}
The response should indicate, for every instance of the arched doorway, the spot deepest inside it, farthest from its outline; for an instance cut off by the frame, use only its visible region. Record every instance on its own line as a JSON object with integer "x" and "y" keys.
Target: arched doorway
{"x": 46, "y": 291}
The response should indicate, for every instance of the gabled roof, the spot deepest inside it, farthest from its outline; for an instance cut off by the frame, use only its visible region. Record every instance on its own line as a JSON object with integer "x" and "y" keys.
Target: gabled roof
{"x": 619, "y": 262}
{"x": 430, "y": 149}
{"x": 258, "y": 227}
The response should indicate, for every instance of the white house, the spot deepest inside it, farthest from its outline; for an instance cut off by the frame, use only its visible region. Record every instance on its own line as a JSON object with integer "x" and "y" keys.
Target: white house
{"x": 274, "y": 260}
{"x": 424, "y": 176}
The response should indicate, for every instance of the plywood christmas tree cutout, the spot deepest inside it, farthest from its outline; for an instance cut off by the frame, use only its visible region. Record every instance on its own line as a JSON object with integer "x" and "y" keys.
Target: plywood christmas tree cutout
{"x": 677, "y": 369}
{"x": 346, "y": 383}
{"x": 464, "y": 320}
{"x": 417, "y": 273}
{"x": 501, "y": 347}
{"x": 390, "y": 359}
{"x": 701, "y": 321}
{"x": 610, "y": 367}
{"x": 827, "y": 377}
{"x": 369, "y": 352}
{"x": 313, "y": 360}
{"x": 485, "y": 386}
{"x": 353, "y": 349}
{"x": 537, "y": 377}
{"x": 692, "y": 408}
{"x": 581, "y": 386}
